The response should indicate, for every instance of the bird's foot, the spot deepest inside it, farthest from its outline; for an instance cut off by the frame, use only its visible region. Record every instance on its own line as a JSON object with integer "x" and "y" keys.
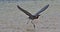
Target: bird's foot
{"x": 28, "y": 21}
{"x": 33, "y": 24}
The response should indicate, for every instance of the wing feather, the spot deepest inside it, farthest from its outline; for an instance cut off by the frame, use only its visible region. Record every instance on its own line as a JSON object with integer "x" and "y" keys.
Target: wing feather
{"x": 43, "y": 9}
{"x": 26, "y": 12}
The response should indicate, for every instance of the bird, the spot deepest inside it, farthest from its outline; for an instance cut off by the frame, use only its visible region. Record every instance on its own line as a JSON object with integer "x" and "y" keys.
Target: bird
{"x": 35, "y": 16}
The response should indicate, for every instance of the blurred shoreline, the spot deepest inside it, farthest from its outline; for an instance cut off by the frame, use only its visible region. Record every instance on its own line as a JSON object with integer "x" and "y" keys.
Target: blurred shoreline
{"x": 15, "y": 1}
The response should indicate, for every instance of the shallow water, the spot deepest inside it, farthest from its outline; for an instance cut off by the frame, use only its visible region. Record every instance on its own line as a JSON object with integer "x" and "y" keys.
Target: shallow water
{"x": 13, "y": 20}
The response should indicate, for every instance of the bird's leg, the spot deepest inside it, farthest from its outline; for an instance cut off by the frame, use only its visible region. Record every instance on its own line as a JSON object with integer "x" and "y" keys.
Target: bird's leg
{"x": 33, "y": 24}
{"x": 28, "y": 21}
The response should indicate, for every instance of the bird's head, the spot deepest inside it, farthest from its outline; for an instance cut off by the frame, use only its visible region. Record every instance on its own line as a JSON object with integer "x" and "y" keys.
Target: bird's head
{"x": 37, "y": 16}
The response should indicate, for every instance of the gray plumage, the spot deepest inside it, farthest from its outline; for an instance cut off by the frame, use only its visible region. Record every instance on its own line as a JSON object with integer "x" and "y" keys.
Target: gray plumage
{"x": 35, "y": 16}
{"x": 43, "y": 9}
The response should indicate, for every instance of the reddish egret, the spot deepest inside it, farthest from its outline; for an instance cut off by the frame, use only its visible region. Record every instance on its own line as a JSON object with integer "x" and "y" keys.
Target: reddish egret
{"x": 35, "y": 16}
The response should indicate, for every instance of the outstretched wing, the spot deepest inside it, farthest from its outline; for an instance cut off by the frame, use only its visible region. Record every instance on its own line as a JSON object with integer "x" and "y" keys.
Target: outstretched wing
{"x": 43, "y": 9}
{"x": 26, "y": 12}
